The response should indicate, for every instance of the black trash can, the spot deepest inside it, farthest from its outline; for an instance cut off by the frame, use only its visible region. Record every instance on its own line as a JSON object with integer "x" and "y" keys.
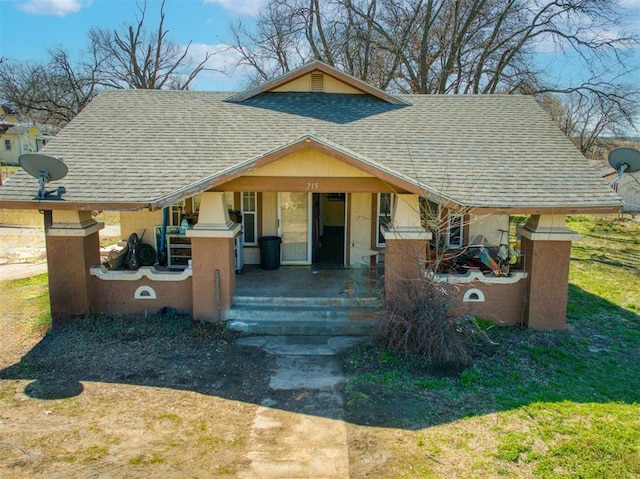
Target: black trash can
{"x": 270, "y": 252}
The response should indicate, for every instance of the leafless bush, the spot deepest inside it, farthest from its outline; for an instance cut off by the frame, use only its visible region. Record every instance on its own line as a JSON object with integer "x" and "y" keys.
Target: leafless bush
{"x": 420, "y": 326}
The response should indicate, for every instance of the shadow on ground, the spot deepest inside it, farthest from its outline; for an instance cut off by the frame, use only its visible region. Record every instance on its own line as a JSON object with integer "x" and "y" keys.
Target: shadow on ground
{"x": 595, "y": 360}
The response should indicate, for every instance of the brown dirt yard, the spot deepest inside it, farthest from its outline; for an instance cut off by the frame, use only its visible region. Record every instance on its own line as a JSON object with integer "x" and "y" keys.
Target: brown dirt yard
{"x": 164, "y": 396}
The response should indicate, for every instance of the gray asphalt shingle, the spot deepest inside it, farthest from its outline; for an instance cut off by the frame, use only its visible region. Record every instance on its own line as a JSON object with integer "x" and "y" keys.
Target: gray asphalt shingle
{"x": 502, "y": 151}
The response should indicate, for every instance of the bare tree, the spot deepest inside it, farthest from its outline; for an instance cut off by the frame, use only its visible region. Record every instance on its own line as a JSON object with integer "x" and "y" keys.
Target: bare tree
{"x": 50, "y": 92}
{"x": 55, "y": 90}
{"x": 134, "y": 57}
{"x": 450, "y": 46}
{"x": 289, "y": 33}
{"x": 589, "y": 119}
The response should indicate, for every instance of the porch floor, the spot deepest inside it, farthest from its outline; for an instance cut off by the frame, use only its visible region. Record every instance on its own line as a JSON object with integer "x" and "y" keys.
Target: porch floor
{"x": 310, "y": 282}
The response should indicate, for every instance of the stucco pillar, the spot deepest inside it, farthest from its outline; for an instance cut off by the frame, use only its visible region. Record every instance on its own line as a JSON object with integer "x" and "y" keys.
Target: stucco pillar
{"x": 406, "y": 245}
{"x": 213, "y": 258}
{"x": 546, "y": 249}
{"x": 73, "y": 247}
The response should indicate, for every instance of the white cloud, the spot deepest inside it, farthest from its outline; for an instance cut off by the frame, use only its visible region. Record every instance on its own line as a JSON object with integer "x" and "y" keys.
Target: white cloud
{"x": 58, "y": 8}
{"x": 242, "y": 7}
{"x": 631, "y": 4}
{"x": 223, "y": 73}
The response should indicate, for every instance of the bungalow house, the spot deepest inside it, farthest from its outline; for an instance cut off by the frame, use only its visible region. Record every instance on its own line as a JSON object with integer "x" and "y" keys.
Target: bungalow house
{"x": 397, "y": 179}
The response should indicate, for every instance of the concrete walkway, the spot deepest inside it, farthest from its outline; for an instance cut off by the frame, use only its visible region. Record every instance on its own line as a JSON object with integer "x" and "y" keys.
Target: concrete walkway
{"x": 299, "y": 431}
{"x": 10, "y": 271}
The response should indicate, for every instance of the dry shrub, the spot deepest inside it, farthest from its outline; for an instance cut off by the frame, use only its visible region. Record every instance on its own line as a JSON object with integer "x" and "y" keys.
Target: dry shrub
{"x": 419, "y": 326}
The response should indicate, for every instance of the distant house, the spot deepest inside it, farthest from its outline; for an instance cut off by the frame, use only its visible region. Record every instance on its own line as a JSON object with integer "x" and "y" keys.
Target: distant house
{"x": 20, "y": 137}
{"x": 395, "y": 178}
{"x": 628, "y": 187}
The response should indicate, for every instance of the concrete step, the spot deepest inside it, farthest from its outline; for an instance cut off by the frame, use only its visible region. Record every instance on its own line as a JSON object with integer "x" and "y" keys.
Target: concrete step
{"x": 304, "y": 316}
{"x": 304, "y": 328}
{"x": 366, "y": 302}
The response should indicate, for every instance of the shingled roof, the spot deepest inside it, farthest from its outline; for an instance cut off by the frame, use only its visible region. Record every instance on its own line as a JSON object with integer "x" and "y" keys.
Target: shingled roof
{"x": 141, "y": 148}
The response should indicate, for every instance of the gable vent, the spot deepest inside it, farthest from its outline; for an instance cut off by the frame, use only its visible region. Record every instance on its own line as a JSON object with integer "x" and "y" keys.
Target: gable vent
{"x": 317, "y": 82}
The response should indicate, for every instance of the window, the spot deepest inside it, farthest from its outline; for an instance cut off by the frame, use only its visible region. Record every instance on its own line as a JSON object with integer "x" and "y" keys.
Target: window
{"x": 454, "y": 230}
{"x": 7, "y": 145}
{"x": 385, "y": 201}
{"x": 177, "y": 211}
{"x": 249, "y": 218}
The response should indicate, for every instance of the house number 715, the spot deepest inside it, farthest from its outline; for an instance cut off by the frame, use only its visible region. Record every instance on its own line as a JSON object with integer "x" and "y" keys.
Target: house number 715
{"x": 312, "y": 186}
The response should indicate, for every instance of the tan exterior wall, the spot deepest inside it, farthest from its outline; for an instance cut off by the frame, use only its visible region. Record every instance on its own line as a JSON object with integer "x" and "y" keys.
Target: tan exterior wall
{"x": 486, "y": 229}
{"x": 21, "y": 218}
{"x": 269, "y": 214}
{"x": 20, "y": 144}
{"x": 138, "y": 222}
{"x": 360, "y": 228}
{"x": 117, "y": 297}
{"x": 303, "y": 84}
{"x": 309, "y": 163}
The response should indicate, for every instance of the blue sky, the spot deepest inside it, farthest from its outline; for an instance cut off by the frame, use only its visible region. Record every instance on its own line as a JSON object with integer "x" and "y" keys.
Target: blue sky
{"x": 29, "y": 27}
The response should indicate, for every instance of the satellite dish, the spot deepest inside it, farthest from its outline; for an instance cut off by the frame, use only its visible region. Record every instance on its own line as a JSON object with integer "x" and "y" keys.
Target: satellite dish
{"x": 624, "y": 160}
{"x": 44, "y": 168}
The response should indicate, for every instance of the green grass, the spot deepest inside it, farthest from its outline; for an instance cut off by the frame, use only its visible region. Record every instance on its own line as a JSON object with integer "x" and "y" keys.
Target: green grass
{"x": 540, "y": 404}
{"x": 28, "y": 300}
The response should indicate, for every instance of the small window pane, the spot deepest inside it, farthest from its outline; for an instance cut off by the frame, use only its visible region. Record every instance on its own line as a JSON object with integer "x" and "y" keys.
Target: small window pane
{"x": 384, "y": 215}
{"x": 454, "y": 230}
{"x": 249, "y": 220}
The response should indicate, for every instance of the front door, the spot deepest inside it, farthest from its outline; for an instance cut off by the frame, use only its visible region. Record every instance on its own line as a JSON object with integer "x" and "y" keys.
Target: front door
{"x": 294, "y": 219}
{"x": 329, "y": 219}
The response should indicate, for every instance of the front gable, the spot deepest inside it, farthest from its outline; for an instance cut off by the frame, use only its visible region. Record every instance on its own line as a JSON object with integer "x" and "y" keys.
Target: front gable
{"x": 317, "y": 77}
{"x": 308, "y": 164}
{"x": 318, "y": 82}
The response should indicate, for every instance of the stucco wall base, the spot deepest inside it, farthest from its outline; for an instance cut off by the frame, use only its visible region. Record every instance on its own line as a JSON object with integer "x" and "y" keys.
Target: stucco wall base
{"x": 211, "y": 255}
{"x": 403, "y": 264}
{"x": 548, "y": 285}
{"x": 69, "y": 259}
{"x": 117, "y": 297}
{"x": 503, "y": 303}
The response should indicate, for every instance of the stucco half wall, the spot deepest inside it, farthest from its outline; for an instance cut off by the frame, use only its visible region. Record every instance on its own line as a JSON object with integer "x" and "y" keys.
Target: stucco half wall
{"x": 135, "y": 292}
{"x": 498, "y": 299}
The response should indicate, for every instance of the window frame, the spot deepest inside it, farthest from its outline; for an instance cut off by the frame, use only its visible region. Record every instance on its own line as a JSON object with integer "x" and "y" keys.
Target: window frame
{"x": 451, "y": 217}
{"x": 253, "y": 213}
{"x": 380, "y": 241}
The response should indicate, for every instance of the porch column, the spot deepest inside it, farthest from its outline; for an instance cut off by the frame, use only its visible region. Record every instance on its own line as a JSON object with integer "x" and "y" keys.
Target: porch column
{"x": 213, "y": 250}
{"x": 406, "y": 245}
{"x": 73, "y": 247}
{"x": 546, "y": 249}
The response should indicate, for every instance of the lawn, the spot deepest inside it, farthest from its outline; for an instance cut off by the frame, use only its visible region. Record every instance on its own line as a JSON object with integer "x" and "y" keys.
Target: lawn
{"x": 537, "y": 404}
{"x": 162, "y": 397}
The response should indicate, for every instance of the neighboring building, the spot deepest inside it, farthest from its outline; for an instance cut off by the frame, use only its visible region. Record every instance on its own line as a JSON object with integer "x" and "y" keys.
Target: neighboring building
{"x": 20, "y": 137}
{"x": 394, "y": 178}
{"x": 628, "y": 187}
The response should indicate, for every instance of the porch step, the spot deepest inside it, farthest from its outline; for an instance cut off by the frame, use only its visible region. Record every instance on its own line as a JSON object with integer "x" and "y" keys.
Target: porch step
{"x": 304, "y": 316}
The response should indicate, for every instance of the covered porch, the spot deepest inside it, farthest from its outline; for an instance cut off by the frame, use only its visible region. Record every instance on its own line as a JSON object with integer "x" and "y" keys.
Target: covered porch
{"x": 311, "y": 282}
